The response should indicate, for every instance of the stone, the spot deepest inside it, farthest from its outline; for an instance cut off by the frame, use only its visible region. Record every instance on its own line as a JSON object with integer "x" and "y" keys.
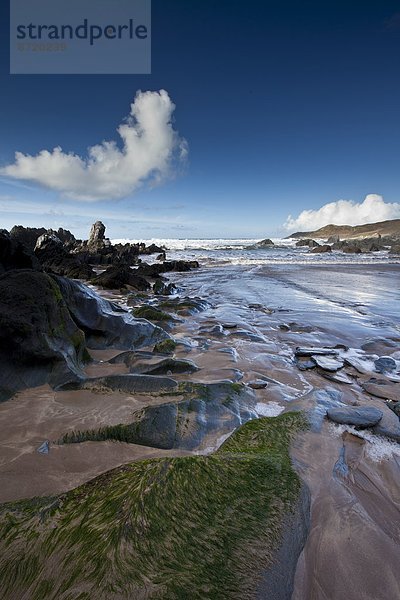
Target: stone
{"x": 319, "y": 249}
{"x": 97, "y": 234}
{"x": 360, "y": 417}
{"x": 265, "y": 243}
{"x": 385, "y": 364}
{"x": 327, "y": 363}
{"x": 39, "y": 341}
{"x": 106, "y": 324}
{"x": 119, "y": 276}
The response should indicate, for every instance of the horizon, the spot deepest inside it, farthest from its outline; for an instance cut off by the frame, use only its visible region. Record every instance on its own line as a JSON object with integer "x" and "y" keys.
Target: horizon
{"x": 308, "y": 135}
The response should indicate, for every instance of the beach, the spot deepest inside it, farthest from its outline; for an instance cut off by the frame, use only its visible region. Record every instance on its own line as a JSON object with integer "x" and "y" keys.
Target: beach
{"x": 255, "y": 312}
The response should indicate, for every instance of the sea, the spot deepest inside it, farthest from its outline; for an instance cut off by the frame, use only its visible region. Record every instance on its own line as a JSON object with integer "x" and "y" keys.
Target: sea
{"x": 243, "y": 251}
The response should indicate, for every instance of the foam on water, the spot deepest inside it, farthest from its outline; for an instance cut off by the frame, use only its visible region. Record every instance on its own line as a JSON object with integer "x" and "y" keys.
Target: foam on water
{"x": 269, "y": 409}
{"x": 242, "y": 252}
{"x": 377, "y": 448}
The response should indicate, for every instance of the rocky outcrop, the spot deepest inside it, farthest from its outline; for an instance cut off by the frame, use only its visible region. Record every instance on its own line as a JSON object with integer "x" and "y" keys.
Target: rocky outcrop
{"x": 307, "y": 242}
{"x": 265, "y": 243}
{"x": 106, "y": 324}
{"x": 97, "y": 235}
{"x": 155, "y": 270}
{"x": 54, "y": 258}
{"x": 360, "y": 417}
{"x": 14, "y": 255}
{"x": 320, "y": 249}
{"x": 117, "y": 277}
{"x": 39, "y": 341}
{"x": 27, "y": 236}
{"x": 209, "y": 410}
{"x": 148, "y": 363}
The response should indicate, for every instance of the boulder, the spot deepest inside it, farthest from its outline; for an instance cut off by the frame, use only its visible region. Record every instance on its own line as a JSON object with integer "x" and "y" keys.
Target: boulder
{"x": 307, "y": 242}
{"x": 385, "y": 364}
{"x": 54, "y": 258}
{"x": 148, "y": 363}
{"x": 265, "y": 243}
{"x": 319, "y": 249}
{"x": 27, "y": 236}
{"x": 360, "y": 417}
{"x": 107, "y": 324}
{"x": 14, "y": 255}
{"x": 117, "y": 277}
{"x": 39, "y": 341}
{"x": 213, "y": 410}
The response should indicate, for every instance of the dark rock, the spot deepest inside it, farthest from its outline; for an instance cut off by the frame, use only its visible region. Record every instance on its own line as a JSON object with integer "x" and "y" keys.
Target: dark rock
{"x": 360, "y": 417}
{"x": 184, "y": 306}
{"x": 148, "y": 363}
{"x": 54, "y": 258}
{"x": 385, "y": 364}
{"x": 123, "y": 383}
{"x": 333, "y": 239}
{"x": 155, "y": 270}
{"x": 153, "y": 249}
{"x": 389, "y": 426}
{"x": 307, "y": 242}
{"x": 27, "y": 236}
{"x": 106, "y": 324}
{"x": 265, "y": 243}
{"x": 39, "y": 341}
{"x": 97, "y": 235}
{"x": 304, "y": 363}
{"x": 319, "y": 249}
{"x": 211, "y": 410}
{"x": 14, "y": 255}
{"x": 117, "y": 277}
{"x": 161, "y": 256}
{"x": 258, "y": 384}
{"x": 316, "y": 351}
{"x": 162, "y": 289}
{"x": 65, "y": 236}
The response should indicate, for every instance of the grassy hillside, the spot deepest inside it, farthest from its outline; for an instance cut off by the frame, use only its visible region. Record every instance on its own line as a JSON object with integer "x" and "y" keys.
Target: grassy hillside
{"x": 180, "y": 528}
{"x": 383, "y": 228}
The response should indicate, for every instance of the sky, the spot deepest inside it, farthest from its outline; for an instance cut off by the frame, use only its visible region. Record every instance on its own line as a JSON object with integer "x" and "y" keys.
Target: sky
{"x": 259, "y": 118}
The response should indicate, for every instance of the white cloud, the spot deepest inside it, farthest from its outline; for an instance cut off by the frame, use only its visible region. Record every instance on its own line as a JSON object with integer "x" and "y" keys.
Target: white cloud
{"x": 345, "y": 212}
{"x": 150, "y": 149}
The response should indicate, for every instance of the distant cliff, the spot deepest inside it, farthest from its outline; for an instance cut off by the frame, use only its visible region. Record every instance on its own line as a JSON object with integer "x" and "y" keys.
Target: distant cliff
{"x": 383, "y": 228}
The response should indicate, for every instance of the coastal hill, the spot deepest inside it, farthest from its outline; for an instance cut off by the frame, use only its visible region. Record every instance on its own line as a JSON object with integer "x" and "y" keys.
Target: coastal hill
{"x": 383, "y": 228}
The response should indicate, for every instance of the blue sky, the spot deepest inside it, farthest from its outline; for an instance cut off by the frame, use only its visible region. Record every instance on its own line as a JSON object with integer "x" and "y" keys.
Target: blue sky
{"x": 285, "y": 106}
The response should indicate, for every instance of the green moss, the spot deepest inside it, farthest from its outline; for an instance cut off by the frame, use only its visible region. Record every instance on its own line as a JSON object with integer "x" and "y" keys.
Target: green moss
{"x": 151, "y": 314}
{"x": 55, "y": 288}
{"x": 174, "y": 528}
{"x": 165, "y": 347}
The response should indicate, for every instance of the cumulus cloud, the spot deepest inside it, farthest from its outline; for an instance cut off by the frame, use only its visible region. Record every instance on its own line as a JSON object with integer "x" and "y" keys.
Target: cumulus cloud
{"x": 345, "y": 212}
{"x": 151, "y": 150}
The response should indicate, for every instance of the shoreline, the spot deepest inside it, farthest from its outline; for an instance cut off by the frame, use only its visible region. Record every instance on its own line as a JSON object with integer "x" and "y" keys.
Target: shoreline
{"x": 243, "y": 326}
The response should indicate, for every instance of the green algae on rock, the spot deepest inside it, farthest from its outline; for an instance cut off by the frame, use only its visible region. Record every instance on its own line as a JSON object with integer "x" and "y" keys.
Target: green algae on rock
{"x": 173, "y": 528}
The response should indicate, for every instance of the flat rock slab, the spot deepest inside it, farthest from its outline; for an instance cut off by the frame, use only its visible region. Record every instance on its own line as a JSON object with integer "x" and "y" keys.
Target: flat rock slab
{"x": 359, "y": 416}
{"x": 258, "y": 384}
{"x": 316, "y": 351}
{"x": 328, "y": 363}
{"x": 123, "y": 383}
{"x": 382, "y": 389}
